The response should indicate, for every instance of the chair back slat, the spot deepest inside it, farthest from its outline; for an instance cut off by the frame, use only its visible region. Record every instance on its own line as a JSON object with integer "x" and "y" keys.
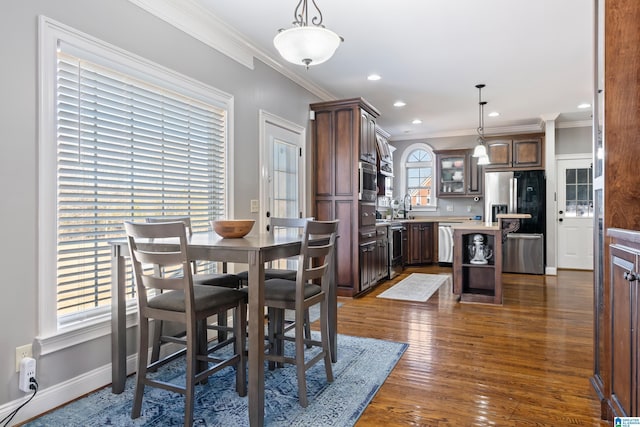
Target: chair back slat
{"x": 162, "y": 245}
{"x": 316, "y": 255}
{"x": 186, "y": 220}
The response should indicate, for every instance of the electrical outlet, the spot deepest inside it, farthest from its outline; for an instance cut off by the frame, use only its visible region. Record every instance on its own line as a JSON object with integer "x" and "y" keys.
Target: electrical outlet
{"x": 255, "y": 206}
{"x": 22, "y": 352}
{"x": 468, "y": 208}
{"x": 27, "y": 371}
{"x": 449, "y": 208}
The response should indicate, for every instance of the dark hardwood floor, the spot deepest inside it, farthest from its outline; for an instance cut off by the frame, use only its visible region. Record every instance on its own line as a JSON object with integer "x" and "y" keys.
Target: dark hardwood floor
{"x": 525, "y": 363}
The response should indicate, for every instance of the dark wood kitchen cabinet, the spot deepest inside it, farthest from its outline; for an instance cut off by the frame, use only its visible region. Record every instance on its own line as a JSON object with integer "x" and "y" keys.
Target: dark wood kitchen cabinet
{"x": 382, "y": 254}
{"x": 624, "y": 264}
{"x": 421, "y": 243}
{"x": 516, "y": 152}
{"x": 368, "y": 144}
{"x": 616, "y": 126}
{"x": 367, "y": 253}
{"x": 457, "y": 174}
{"x": 343, "y": 134}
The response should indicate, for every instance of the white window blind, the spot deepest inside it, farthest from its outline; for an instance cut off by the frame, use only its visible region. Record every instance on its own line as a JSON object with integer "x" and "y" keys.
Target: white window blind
{"x": 126, "y": 149}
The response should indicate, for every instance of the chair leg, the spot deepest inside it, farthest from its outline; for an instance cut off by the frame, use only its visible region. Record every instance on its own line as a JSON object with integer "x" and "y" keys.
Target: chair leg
{"x": 275, "y": 330}
{"x": 300, "y": 366}
{"x": 324, "y": 332}
{"x": 239, "y": 331}
{"x": 222, "y": 321}
{"x": 193, "y": 344}
{"x": 141, "y": 373}
{"x": 157, "y": 336}
{"x": 307, "y": 327}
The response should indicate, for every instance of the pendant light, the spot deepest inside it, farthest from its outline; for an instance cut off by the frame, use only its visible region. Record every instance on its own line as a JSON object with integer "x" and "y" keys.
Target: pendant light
{"x": 306, "y": 44}
{"x": 480, "y": 150}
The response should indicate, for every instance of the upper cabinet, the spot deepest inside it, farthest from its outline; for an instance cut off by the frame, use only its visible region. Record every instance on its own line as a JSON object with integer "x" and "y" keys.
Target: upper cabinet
{"x": 516, "y": 152}
{"x": 368, "y": 143}
{"x": 457, "y": 174}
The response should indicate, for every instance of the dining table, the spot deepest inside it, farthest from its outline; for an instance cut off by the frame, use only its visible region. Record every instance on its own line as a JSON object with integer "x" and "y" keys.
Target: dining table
{"x": 255, "y": 249}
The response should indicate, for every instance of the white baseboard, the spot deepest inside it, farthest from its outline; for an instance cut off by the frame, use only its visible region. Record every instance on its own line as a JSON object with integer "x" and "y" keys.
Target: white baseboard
{"x": 551, "y": 271}
{"x": 59, "y": 394}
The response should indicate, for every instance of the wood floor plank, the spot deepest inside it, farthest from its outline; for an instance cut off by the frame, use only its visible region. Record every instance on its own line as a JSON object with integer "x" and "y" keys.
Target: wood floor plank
{"x": 525, "y": 363}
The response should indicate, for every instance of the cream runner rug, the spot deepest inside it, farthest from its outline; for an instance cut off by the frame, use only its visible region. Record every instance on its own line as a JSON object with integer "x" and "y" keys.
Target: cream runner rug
{"x": 416, "y": 287}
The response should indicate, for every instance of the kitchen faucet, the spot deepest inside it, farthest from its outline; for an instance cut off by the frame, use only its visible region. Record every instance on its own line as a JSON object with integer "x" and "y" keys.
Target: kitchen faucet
{"x": 406, "y": 197}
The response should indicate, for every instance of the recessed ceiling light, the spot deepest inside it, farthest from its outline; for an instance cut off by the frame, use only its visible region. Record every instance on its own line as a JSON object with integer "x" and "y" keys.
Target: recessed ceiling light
{"x": 373, "y": 77}
{"x": 399, "y": 104}
{"x": 416, "y": 121}
{"x": 584, "y": 105}
{"x": 494, "y": 114}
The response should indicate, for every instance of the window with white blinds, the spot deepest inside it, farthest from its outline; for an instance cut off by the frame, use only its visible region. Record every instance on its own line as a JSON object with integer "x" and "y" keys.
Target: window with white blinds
{"x": 126, "y": 149}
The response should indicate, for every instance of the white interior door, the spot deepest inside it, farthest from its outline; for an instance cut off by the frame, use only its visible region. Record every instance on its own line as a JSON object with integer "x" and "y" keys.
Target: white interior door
{"x": 282, "y": 167}
{"x": 575, "y": 214}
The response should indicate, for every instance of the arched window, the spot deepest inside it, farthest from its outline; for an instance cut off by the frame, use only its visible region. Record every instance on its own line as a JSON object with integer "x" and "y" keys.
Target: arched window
{"x": 418, "y": 166}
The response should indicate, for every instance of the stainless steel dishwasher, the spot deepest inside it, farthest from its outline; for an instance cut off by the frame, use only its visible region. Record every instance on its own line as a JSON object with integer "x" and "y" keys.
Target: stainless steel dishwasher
{"x": 445, "y": 243}
{"x": 523, "y": 253}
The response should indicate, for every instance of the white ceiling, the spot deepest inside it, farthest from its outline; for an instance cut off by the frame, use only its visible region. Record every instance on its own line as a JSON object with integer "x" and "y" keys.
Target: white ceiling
{"x": 535, "y": 57}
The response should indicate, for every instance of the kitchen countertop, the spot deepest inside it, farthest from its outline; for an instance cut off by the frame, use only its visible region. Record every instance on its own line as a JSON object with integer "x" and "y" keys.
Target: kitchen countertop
{"x": 450, "y": 219}
{"x": 476, "y": 225}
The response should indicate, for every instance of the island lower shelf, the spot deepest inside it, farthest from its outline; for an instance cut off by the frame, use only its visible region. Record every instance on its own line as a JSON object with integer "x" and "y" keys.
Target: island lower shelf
{"x": 479, "y": 281}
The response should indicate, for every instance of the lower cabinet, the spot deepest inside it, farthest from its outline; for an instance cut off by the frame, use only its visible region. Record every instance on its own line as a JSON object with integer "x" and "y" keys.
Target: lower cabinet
{"x": 421, "y": 243}
{"x": 477, "y": 264}
{"x": 624, "y": 389}
{"x": 367, "y": 261}
{"x": 373, "y": 257}
{"x": 382, "y": 254}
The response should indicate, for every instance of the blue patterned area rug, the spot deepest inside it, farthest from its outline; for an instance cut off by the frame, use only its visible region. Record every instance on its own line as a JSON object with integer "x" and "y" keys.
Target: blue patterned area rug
{"x": 363, "y": 365}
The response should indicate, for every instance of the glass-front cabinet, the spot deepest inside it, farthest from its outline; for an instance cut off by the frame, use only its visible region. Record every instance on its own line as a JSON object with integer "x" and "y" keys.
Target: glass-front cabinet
{"x": 457, "y": 174}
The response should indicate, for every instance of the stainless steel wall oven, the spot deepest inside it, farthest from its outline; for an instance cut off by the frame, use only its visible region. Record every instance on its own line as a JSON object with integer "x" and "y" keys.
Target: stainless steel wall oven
{"x": 368, "y": 177}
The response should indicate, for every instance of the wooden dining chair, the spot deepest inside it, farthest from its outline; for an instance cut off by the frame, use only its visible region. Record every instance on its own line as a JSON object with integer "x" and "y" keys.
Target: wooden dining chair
{"x": 314, "y": 264}
{"x": 224, "y": 279}
{"x": 158, "y": 247}
{"x": 277, "y": 224}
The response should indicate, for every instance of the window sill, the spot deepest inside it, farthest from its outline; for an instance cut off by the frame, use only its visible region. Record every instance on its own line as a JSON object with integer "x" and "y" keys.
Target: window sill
{"x": 82, "y": 332}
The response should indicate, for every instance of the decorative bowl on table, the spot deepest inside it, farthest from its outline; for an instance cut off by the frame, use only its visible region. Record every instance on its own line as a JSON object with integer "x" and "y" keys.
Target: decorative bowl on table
{"x": 232, "y": 228}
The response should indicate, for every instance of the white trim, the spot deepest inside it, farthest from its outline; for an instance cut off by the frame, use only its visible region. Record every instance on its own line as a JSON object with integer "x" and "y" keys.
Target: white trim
{"x": 196, "y": 20}
{"x": 199, "y": 22}
{"x": 575, "y": 156}
{"x": 94, "y": 329}
{"x": 403, "y": 177}
{"x": 51, "y": 336}
{"x": 63, "y": 392}
{"x": 576, "y": 124}
{"x": 521, "y": 129}
{"x": 551, "y": 271}
{"x": 264, "y": 118}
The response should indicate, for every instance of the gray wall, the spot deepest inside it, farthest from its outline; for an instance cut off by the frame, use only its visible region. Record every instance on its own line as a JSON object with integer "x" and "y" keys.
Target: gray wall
{"x": 128, "y": 27}
{"x": 574, "y": 140}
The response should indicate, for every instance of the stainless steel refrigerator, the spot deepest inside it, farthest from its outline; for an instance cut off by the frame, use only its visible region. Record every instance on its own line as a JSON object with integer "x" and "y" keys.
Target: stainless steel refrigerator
{"x": 519, "y": 192}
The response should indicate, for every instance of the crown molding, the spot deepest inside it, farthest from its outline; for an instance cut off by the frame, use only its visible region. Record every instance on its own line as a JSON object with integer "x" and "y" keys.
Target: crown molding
{"x": 199, "y": 22}
{"x": 504, "y": 130}
{"x": 574, "y": 124}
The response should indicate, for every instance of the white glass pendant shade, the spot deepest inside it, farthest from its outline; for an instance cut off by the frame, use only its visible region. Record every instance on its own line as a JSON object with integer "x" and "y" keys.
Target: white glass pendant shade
{"x": 480, "y": 151}
{"x": 307, "y": 45}
{"x": 483, "y": 160}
